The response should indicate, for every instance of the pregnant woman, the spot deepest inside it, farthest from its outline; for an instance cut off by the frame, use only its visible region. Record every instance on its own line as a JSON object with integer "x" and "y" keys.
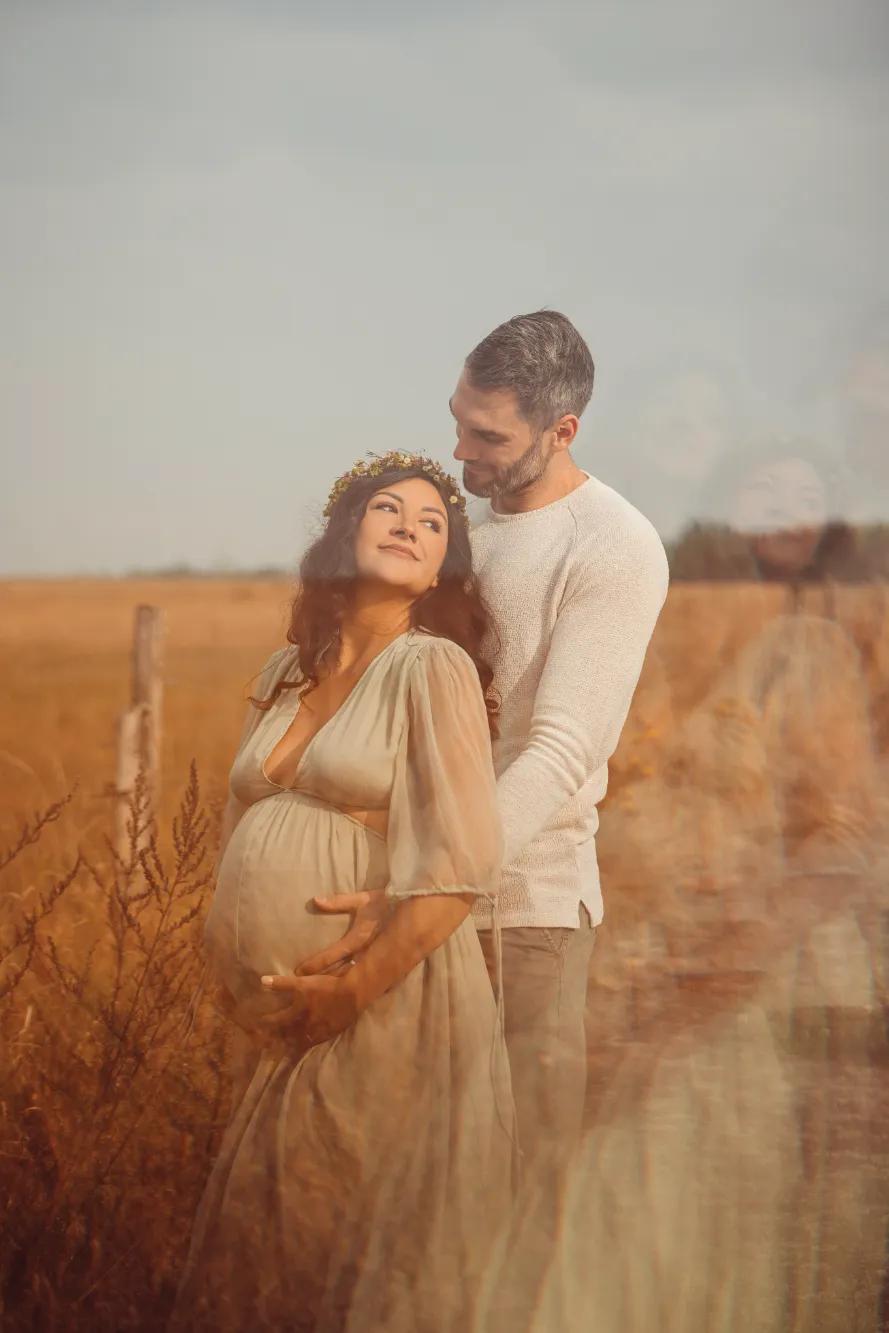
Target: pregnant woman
{"x": 361, "y": 1180}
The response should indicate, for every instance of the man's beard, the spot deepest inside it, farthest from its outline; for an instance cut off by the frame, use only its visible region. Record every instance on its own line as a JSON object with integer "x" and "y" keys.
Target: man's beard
{"x": 524, "y": 472}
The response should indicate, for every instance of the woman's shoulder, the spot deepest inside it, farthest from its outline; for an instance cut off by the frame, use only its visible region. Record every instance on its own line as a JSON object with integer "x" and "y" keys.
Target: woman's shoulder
{"x": 427, "y": 650}
{"x": 277, "y": 666}
{"x": 289, "y": 653}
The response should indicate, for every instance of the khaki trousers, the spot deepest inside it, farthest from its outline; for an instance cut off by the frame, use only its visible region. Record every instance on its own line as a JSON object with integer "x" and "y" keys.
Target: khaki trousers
{"x": 545, "y": 972}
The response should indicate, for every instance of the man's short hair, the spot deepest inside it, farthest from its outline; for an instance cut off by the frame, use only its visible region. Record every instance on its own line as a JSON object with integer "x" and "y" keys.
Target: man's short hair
{"x": 542, "y": 359}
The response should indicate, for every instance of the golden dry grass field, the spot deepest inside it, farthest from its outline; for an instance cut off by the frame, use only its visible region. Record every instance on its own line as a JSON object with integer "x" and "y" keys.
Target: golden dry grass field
{"x": 64, "y": 660}
{"x": 64, "y": 672}
{"x": 712, "y": 759}
{"x": 739, "y": 1097}
{"x": 758, "y": 730}
{"x": 65, "y": 667}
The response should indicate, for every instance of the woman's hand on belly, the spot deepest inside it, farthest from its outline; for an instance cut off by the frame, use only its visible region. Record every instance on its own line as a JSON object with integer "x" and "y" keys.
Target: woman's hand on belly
{"x": 371, "y": 911}
{"x": 321, "y": 1008}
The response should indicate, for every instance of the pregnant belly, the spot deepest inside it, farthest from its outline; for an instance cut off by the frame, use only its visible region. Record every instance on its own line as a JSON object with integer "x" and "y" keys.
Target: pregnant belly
{"x": 286, "y": 849}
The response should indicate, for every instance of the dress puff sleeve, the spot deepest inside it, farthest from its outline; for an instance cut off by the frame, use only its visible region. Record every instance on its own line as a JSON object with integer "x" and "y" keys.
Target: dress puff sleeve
{"x": 234, "y": 808}
{"x": 444, "y": 823}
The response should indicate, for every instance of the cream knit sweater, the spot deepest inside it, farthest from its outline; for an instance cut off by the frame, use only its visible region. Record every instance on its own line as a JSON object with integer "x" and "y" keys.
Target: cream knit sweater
{"x": 575, "y": 589}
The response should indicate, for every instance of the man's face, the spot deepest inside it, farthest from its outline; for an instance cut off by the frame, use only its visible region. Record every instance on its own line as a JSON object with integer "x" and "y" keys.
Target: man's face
{"x": 500, "y": 451}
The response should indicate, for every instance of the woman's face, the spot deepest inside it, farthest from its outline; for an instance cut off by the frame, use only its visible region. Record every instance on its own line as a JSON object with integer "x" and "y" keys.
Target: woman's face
{"x": 783, "y": 507}
{"x": 403, "y": 537}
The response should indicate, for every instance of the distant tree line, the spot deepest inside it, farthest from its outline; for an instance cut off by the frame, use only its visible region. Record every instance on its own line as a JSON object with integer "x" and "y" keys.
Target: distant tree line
{"x": 186, "y": 571}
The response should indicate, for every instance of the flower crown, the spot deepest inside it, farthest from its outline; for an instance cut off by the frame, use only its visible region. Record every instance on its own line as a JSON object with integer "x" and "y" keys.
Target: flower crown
{"x": 379, "y": 463}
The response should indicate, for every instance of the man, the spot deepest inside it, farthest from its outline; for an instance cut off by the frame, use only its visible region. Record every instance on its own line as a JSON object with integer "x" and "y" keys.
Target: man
{"x": 575, "y": 578}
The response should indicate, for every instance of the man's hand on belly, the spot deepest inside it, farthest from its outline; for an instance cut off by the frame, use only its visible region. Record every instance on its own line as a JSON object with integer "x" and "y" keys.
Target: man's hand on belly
{"x": 370, "y": 910}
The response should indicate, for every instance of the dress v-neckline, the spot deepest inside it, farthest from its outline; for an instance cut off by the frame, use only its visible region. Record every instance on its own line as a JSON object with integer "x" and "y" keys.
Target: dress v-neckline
{"x": 334, "y": 715}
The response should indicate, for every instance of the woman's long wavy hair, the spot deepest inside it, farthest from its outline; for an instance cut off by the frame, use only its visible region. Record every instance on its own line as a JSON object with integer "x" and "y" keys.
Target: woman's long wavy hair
{"x": 328, "y": 577}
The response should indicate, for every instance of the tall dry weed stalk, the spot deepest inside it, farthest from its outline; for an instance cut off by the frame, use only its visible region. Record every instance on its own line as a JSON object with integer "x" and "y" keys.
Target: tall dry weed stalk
{"x": 112, "y": 1091}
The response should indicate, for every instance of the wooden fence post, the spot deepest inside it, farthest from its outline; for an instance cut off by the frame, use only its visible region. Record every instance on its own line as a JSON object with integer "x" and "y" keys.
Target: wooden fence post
{"x": 139, "y": 731}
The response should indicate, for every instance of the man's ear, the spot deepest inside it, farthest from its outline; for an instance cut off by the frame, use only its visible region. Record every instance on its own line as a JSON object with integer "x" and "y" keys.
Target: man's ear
{"x": 565, "y": 432}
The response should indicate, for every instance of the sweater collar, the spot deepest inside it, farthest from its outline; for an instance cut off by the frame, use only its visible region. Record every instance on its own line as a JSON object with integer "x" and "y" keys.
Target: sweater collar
{"x": 488, "y": 514}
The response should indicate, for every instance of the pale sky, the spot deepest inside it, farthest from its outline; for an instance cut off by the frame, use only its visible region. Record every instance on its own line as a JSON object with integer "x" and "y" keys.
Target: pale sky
{"x": 244, "y": 241}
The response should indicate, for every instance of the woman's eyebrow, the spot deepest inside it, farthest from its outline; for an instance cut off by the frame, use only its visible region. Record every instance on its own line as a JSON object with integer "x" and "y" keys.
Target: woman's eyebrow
{"x": 427, "y": 509}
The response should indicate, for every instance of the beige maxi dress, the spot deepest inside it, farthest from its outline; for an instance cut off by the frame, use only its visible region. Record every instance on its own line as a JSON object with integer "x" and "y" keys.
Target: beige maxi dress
{"x": 360, "y": 1186}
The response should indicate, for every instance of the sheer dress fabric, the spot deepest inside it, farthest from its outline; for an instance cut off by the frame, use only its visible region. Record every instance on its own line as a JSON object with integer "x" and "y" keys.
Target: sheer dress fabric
{"x": 359, "y": 1186}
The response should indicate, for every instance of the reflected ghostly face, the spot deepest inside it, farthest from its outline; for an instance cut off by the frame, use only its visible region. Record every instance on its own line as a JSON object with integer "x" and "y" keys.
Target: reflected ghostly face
{"x": 783, "y": 506}
{"x": 402, "y": 539}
